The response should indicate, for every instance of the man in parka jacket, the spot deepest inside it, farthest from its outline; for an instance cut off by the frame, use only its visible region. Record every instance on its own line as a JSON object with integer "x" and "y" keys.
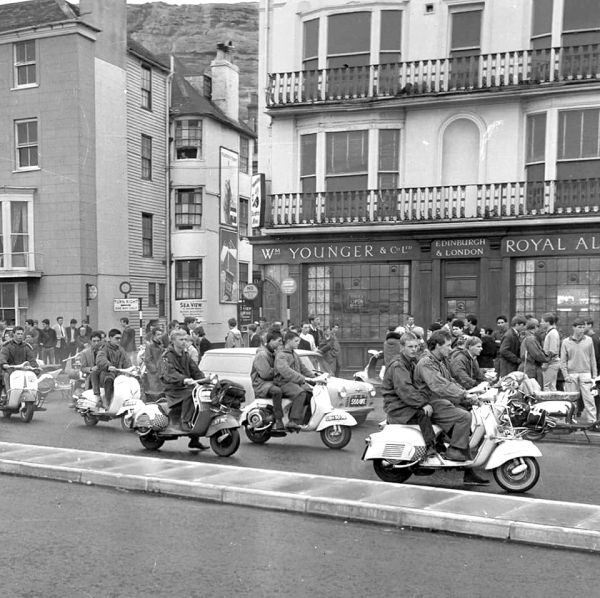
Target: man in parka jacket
{"x": 263, "y": 377}
{"x": 110, "y": 358}
{"x": 291, "y": 375}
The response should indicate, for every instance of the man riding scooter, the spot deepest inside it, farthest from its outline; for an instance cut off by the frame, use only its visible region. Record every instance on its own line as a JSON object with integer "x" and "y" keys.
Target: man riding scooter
{"x": 15, "y": 352}
{"x": 263, "y": 375}
{"x": 110, "y": 358}
{"x": 449, "y": 401}
{"x": 291, "y": 375}
{"x": 178, "y": 374}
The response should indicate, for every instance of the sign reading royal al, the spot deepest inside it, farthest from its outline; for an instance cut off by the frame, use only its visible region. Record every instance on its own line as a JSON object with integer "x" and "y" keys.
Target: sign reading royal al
{"x": 370, "y": 251}
{"x": 551, "y": 245}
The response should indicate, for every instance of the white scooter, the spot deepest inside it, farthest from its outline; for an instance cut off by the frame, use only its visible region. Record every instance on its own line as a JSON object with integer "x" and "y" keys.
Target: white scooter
{"x": 22, "y": 395}
{"x": 126, "y": 398}
{"x": 398, "y": 451}
{"x": 333, "y": 425}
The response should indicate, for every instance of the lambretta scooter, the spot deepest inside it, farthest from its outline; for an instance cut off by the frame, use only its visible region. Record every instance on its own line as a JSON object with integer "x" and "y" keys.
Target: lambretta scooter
{"x": 334, "y": 425}
{"x": 22, "y": 395}
{"x": 398, "y": 451}
{"x": 216, "y": 404}
{"x": 126, "y": 397}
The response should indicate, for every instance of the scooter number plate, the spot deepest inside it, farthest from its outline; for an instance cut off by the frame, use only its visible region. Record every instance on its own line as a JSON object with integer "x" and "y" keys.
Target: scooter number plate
{"x": 358, "y": 401}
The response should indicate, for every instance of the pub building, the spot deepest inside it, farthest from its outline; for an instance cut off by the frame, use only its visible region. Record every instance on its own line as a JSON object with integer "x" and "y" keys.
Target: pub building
{"x": 426, "y": 159}
{"x": 367, "y": 285}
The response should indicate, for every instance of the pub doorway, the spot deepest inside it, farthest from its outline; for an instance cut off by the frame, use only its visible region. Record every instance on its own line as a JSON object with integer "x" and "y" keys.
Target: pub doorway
{"x": 460, "y": 287}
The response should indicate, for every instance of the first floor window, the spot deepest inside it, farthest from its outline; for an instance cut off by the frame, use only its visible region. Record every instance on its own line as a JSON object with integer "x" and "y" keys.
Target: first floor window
{"x": 147, "y": 235}
{"x": 243, "y": 221}
{"x": 146, "y": 157}
{"x": 26, "y": 136}
{"x": 347, "y": 160}
{"x": 157, "y": 296}
{"x": 188, "y": 139}
{"x": 245, "y": 155}
{"x": 389, "y": 158}
{"x": 15, "y": 235}
{"x": 188, "y": 279}
{"x": 146, "y": 87}
{"x": 188, "y": 208}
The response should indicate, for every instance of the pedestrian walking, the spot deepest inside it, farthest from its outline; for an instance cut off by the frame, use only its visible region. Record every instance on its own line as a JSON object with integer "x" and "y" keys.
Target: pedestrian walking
{"x": 510, "y": 347}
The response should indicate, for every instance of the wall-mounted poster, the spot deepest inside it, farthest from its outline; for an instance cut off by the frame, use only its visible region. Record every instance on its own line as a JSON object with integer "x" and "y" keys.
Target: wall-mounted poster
{"x": 228, "y": 259}
{"x": 229, "y": 169}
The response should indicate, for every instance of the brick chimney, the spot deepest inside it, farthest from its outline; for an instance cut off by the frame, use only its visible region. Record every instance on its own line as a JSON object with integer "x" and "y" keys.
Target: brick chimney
{"x": 225, "y": 81}
{"x": 110, "y": 16}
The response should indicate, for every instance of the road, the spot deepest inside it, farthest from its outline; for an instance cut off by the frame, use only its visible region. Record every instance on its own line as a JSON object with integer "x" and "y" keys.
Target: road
{"x": 66, "y": 540}
{"x": 568, "y": 471}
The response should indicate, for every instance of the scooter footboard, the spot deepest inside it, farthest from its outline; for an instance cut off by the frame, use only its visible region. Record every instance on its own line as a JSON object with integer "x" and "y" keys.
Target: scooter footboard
{"x": 512, "y": 449}
{"x": 337, "y": 417}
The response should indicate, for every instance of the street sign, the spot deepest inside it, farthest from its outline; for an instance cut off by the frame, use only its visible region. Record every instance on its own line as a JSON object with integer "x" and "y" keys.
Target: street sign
{"x": 250, "y": 292}
{"x": 129, "y": 304}
{"x": 288, "y": 286}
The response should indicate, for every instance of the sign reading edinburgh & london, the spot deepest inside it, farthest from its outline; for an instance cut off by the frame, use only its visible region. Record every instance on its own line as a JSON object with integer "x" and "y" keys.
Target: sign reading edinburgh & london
{"x": 370, "y": 251}
{"x": 457, "y": 248}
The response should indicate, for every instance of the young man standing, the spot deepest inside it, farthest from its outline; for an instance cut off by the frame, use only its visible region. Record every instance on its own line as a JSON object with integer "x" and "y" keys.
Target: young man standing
{"x": 551, "y": 348}
{"x": 578, "y": 365}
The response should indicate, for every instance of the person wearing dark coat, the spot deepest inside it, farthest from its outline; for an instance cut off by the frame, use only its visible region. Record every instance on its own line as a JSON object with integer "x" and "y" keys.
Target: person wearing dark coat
{"x": 463, "y": 363}
{"x": 532, "y": 355}
{"x": 15, "y": 352}
{"x": 177, "y": 374}
{"x": 402, "y": 401}
{"x": 110, "y": 358}
{"x": 489, "y": 350}
{"x": 510, "y": 347}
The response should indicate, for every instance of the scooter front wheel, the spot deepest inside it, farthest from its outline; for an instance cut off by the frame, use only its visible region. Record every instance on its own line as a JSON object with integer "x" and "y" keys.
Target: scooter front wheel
{"x": 336, "y": 437}
{"x": 26, "y": 412}
{"x": 225, "y": 442}
{"x": 518, "y": 475}
{"x": 388, "y": 473}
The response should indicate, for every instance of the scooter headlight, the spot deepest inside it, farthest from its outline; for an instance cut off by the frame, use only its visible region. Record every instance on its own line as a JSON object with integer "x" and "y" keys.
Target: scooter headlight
{"x": 343, "y": 393}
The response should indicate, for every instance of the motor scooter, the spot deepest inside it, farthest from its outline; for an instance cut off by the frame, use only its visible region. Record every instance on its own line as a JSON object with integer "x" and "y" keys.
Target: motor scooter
{"x": 126, "y": 397}
{"x": 22, "y": 394}
{"x": 398, "y": 451}
{"x": 558, "y": 409}
{"x": 334, "y": 425}
{"x": 216, "y": 404}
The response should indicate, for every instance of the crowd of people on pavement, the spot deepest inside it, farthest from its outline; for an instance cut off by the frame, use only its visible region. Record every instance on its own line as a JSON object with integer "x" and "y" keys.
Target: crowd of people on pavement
{"x": 429, "y": 373}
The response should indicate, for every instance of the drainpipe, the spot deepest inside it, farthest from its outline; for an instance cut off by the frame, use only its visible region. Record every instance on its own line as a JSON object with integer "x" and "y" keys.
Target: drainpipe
{"x": 168, "y": 311}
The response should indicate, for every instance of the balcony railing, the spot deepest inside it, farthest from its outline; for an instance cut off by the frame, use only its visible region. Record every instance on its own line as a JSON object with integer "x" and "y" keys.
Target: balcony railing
{"x": 491, "y": 201}
{"x": 19, "y": 262}
{"x": 461, "y": 74}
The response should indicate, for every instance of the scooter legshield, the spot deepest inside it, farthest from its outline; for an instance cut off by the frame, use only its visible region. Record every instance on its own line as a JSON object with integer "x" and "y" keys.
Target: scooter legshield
{"x": 337, "y": 417}
{"x": 512, "y": 448}
{"x": 222, "y": 422}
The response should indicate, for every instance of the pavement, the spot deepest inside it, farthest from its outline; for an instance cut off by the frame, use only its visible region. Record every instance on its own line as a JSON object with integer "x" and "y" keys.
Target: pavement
{"x": 504, "y": 517}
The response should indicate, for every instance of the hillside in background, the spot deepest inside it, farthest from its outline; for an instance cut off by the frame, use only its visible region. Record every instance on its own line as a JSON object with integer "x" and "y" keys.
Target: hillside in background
{"x": 192, "y": 32}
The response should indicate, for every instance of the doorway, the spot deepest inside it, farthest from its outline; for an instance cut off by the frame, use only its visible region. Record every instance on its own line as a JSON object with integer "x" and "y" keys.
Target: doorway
{"x": 460, "y": 287}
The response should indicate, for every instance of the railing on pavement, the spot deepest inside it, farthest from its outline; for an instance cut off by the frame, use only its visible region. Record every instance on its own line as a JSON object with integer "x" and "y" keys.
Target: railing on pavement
{"x": 488, "y": 201}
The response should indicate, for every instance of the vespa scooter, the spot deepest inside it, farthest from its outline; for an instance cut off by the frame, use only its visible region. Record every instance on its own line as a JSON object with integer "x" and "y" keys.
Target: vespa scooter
{"x": 334, "y": 425}
{"x": 126, "y": 397}
{"x": 22, "y": 394}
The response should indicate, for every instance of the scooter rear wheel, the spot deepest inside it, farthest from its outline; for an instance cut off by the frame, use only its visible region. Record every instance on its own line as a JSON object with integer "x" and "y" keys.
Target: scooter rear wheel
{"x": 225, "y": 442}
{"x": 518, "y": 482}
{"x": 27, "y": 413}
{"x": 257, "y": 437}
{"x": 336, "y": 437}
{"x": 151, "y": 442}
{"x": 89, "y": 419}
{"x": 388, "y": 473}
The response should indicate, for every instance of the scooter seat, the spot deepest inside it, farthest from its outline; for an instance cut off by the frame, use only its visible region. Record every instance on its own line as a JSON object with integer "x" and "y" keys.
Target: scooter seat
{"x": 436, "y": 428}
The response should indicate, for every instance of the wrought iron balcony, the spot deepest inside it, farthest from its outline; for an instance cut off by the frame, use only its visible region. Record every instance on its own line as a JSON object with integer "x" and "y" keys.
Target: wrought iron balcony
{"x": 20, "y": 264}
{"x": 457, "y": 75}
{"x": 491, "y": 201}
